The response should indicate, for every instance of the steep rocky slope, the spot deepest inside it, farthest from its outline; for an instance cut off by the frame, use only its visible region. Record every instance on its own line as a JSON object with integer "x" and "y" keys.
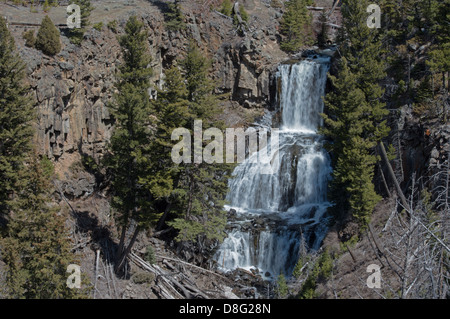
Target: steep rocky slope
{"x": 73, "y": 88}
{"x": 72, "y": 91}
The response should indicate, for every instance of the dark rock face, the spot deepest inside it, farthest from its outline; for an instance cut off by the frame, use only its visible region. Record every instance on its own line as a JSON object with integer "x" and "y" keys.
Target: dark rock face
{"x": 73, "y": 88}
{"x": 422, "y": 148}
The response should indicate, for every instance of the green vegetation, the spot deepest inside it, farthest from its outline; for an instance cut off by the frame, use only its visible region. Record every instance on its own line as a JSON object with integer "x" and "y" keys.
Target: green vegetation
{"x": 243, "y": 13}
{"x": 199, "y": 189}
{"x": 320, "y": 272}
{"x": 48, "y": 39}
{"x": 415, "y": 35}
{"x": 227, "y": 8}
{"x": 276, "y": 4}
{"x": 29, "y": 38}
{"x": 174, "y": 17}
{"x": 98, "y": 26}
{"x": 35, "y": 248}
{"x": 301, "y": 263}
{"x": 15, "y": 116}
{"x": 150, "y": 255}
{"x": 295, "y": 26}
{"x": 143, "y": 278}
{"x": 419, "y": 24}
{"x": 355, "y": 121}
{"x": 282, "y": 287}
{"x": 48, "y": 169}
{"x": 76, "y": 34}
{"x": 148, "y": 186}
{"x": 34, "y": 244}
{"x": 112, "y": 25}
{"x": 130, "y": 142}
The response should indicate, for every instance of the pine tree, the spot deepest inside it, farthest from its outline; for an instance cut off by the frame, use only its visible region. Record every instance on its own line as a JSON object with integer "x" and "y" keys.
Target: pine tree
{"x": 171, "y": 110}
{"x": 200, "y": 188}
{"x": 346, "y": 124}
{"x": 199, "y": 196}
{"x": 174, "y": 17}
{"x": 48, "y": 39}
{"x": 36, "y": 248}
{"x": 362, "y": 47}
{"x": 15, "y": 115}
{"x": 439, "y": 61}
{"x": 282, "y": 288}
{"x": 322, "y": 37}
{"x": 76, "y": 34}
{"x": 295, "y": 25}
{"x": 130, "y": 143}
{"x": 203, "y": 103}
{"x": 356, "y": 116}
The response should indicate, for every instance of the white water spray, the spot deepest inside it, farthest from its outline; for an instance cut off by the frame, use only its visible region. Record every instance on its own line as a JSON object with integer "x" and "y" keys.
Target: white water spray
{"x": 275, "y": 211}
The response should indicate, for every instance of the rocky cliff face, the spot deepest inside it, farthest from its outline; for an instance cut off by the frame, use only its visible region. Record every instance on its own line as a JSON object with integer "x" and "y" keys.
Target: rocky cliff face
{"x": 73, "y": 88}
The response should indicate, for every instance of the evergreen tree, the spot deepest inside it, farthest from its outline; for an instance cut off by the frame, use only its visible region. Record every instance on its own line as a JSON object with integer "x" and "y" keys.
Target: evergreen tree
{"x": 203, "y": 103}
{"x": 174, "y": 17}
{"x": 321, "y": 271}
{"x": 200, "y": 188}
{"x": 322, "y": 37}
{"x": 346, "y": 124}
{"x": 36, "y": 248}
{"x": 439, "y": 61}
{"x": 30, "y": 40}
{"x": 282, "y": 288}
{"x": 15, "y": 115}
{"x": 130, "y": 142}
{"x": 295, "y": 25}
{"x": 47, "y": 39}
{"x": 171, "y": 110}
{"x": 355, "y": 121}
{"x": 76, "y": 34}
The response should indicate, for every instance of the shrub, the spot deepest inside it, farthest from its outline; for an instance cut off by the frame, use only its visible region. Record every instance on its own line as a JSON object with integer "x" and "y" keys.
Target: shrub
{"x": 98, "y": 26}
{"x": 150, "y": 255}
{"x": 227, "y": 8}
{"x": 112, "y": 25}
{"x": 47, "y": 39}
{"x": 30, "y": 39}
{"x": 244, "y": 14}
{"x": 276, "y": 4}
{"x": 142, "y": 278}
{"x": 320, "y": 272}
{"x": 48, "y": 169}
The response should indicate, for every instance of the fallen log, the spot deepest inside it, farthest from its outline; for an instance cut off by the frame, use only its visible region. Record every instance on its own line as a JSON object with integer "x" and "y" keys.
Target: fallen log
{"x": 192, "y": 265}
{"x": 188, "y": 290}
{"x": 160, "y": 275}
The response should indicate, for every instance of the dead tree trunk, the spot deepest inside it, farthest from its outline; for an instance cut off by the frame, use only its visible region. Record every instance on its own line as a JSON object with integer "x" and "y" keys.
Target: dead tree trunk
{"x": 394, "y": 178}
{"x": 242, "y": 25}
{"x": 123, "y": 256}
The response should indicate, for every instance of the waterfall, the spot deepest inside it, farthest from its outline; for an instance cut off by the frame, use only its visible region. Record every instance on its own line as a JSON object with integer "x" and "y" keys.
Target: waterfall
{"x": 275, "y": 213}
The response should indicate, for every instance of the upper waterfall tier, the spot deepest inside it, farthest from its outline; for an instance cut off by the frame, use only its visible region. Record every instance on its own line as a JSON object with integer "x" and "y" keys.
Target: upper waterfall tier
{"x": 301, "y": 170}
{"x": 302, "y": 90}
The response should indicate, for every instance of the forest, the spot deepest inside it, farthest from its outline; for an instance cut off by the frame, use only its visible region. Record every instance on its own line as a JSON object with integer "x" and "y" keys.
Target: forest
{"x": 93, "y": 110}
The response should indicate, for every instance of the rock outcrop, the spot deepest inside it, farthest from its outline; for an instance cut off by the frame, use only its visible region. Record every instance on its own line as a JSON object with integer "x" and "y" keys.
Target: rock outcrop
{"x": 73, "y": 88}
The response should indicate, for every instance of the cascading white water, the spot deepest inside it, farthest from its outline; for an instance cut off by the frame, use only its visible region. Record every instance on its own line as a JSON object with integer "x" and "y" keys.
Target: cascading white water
{"x": 274, "y": 212}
